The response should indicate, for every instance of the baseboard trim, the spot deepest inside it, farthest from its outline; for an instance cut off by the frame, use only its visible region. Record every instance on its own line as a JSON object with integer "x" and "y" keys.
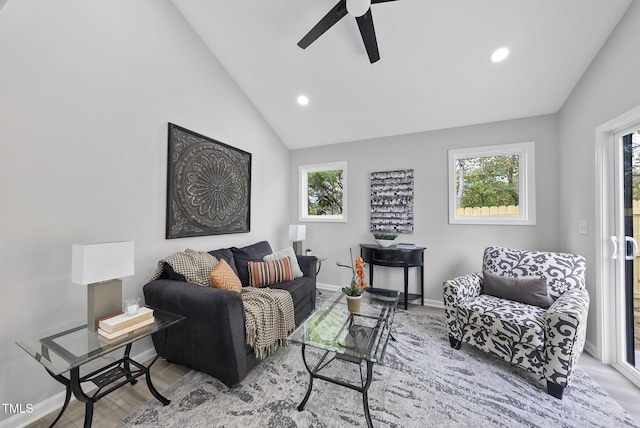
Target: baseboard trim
{"x": 591, "y": 349}
{"x": 427, "y": 302}
{"x": 53, "y": 403}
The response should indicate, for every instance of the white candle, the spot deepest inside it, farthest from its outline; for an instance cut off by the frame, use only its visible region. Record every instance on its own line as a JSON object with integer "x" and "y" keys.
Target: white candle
{"x": 132, "y": 309}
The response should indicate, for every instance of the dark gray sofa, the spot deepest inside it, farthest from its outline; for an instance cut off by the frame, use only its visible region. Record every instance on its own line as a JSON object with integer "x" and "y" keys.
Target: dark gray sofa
{"x": 212, "y": 338}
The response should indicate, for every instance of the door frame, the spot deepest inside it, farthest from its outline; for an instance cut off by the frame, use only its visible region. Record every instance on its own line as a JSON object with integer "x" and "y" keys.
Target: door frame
{"x": 605, "y": 347}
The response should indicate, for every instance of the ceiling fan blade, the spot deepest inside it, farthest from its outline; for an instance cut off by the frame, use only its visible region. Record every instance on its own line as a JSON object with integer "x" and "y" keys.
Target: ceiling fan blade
{"x": 368, "y": 33}
{"x": 381, "y": 1}
{"x": 329, "y": 20}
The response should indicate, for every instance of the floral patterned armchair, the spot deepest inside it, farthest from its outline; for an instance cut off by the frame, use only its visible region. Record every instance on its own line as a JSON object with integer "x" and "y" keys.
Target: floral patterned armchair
{"x": 543, "y": 341}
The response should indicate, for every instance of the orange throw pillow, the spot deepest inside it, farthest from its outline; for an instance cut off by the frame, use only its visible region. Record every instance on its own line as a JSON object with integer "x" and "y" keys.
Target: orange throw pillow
{"x": 223, "y": 277}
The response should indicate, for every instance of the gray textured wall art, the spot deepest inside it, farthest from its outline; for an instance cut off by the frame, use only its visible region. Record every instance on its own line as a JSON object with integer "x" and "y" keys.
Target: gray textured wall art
{"x": 392, "y": 201}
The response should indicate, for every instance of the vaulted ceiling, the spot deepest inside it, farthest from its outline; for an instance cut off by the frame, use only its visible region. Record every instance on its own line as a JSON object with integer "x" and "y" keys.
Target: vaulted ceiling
{"x": 434, "y": 70}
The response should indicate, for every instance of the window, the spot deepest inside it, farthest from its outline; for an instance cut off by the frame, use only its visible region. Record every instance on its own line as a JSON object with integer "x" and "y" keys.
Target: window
{"x": 323, "y": 192}
{"x": 492, "y": 185}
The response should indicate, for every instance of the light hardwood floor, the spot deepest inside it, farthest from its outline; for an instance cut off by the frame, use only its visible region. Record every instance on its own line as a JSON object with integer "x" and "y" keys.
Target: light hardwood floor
{"x": 109, "y": 411}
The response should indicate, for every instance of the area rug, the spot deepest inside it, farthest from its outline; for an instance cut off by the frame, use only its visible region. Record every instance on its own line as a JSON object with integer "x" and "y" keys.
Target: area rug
{"x": 423, "y": 382}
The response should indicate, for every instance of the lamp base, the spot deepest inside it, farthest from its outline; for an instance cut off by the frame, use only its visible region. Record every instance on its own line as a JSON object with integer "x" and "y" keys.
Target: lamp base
{"x": 297, "y": 248}
{"x": 103, "y": 299}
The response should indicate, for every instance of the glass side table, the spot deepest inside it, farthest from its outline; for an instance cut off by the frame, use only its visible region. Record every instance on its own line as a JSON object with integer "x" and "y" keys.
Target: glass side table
{"x": 67, "y": 349}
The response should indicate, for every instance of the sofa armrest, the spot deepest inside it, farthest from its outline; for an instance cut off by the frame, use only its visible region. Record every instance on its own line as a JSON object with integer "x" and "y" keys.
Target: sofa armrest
{"x": 463, "y": 288}
{"x": 308, "y": 266}
{"x": 565, "y": 333}
{"x": 212, "y": 337}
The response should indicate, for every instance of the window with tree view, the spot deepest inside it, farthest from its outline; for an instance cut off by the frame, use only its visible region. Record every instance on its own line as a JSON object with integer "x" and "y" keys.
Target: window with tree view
{"x": 492, "y": 185}
{"x": 323, "y": 192}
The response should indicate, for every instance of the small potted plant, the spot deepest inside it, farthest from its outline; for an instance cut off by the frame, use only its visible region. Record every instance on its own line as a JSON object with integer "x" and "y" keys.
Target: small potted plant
{"x": 354, "y": 290}
{"x": 384, "y": 239}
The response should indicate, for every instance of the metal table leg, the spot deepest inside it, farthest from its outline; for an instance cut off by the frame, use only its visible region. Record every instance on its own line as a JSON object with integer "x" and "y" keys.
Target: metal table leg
{"x": 67, "y": 398}
{"x": 363, "y": 388}
{"x": 306, "y": 396}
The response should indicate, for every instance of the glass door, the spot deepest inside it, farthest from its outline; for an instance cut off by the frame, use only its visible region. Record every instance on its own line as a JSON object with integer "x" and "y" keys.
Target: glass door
{"x": 627, "y": 262}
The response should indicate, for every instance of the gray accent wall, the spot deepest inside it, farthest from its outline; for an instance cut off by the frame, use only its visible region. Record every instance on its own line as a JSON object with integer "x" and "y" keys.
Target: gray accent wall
{"x": 452, "y": 250}
{"x": 87, "y": 90}
{"x": 609, "y": 88}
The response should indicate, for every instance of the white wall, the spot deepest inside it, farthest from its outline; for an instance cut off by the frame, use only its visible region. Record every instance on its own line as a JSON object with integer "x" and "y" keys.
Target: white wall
{"x": 86, "y": 92}
{"x": 452, "y": 250}
{"x": 609, "y": 87}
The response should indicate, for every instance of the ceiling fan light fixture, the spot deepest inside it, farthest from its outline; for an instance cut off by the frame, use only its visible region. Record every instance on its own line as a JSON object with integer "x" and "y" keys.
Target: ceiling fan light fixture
{"x": 358, "y": 8}
{"x": 499, "y": 54}
{"x": 303, "y": 100}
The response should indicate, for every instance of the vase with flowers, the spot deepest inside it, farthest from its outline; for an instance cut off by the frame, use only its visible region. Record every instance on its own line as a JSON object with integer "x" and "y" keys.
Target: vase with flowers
{"x": 354, "y": 290}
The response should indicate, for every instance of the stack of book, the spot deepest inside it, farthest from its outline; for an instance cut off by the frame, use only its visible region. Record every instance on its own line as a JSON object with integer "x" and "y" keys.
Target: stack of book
{"x": 115, "y": 326}
{"x": 406, "y": 246}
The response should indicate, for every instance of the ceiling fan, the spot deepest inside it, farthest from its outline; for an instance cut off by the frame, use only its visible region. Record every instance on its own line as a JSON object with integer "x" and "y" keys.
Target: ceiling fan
{"x": 361, "y": 10}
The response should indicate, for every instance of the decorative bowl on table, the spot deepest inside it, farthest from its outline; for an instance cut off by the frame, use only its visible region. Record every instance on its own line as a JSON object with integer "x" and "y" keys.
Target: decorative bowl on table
{"x": 385, "y": 242}
{"x": 385, "y": 239}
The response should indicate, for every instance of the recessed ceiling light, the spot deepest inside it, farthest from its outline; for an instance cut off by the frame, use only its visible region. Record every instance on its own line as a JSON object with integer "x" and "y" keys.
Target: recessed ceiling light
{"x": 499, "y": 54}
{"x": 303, "y": 100}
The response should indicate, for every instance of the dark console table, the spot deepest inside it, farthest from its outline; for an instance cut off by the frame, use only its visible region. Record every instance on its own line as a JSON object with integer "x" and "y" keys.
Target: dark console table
{"x": 374, "y": 254}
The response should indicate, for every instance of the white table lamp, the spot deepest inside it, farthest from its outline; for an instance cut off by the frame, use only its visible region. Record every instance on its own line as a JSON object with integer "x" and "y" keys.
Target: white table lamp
{"x": 99, "y": 266}
{"x": 297, "y": 234}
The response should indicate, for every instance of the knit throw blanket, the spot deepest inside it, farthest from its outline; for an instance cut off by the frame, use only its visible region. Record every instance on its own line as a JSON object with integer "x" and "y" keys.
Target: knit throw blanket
{"x": 269, "y": 319}
{"x": 195, "y": 266}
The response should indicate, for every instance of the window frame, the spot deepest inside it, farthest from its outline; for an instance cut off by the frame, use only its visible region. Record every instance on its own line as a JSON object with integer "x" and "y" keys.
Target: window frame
{"x": 526, "y": 183}
{"x": 303, "y": 180}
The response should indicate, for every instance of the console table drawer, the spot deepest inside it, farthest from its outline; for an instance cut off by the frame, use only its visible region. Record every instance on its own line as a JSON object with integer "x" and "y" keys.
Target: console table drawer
{"x": 388, "y": 256}
{"x": 391, "y": 256}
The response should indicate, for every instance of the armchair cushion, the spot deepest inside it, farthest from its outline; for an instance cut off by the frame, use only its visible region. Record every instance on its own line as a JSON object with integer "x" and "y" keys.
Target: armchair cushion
{"x": 563, "y": 271}
{"x": 529, "y": 290}
{"x": 515, "y": 321}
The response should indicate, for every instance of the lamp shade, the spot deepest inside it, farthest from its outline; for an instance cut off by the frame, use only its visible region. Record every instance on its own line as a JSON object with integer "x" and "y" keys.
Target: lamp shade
{"x": 297, "y": 232}
{"x": 91, "y": 263}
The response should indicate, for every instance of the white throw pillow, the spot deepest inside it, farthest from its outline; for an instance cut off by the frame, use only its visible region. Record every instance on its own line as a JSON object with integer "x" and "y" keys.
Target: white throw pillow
{"x": 287, "y": 252}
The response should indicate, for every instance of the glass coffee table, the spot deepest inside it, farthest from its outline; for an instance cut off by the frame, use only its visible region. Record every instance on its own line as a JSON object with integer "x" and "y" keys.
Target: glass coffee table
{"x": 67, "y": 349}
{"x": 356, "y": 338}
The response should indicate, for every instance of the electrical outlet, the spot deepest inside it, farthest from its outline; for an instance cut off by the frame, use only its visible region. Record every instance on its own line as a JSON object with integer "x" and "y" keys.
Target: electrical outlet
{"x": 583, "y": 227}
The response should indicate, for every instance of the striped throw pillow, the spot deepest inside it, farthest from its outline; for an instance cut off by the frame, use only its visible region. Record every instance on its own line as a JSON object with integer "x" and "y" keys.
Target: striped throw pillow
{"x": 266, "y": 273}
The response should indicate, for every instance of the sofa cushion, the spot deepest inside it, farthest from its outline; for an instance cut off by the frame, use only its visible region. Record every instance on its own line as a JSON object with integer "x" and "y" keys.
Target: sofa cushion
{"x": 293, "y": 259}
{"x": 250, "y": 253}
{"x": 266, "y": 273}
{"x": 223, "y": 277}
{"x": 516, "y": 321}
{"x": 529, "y": 290}
{"x": 303, "y": 293}
{"x": 225, "y": 253}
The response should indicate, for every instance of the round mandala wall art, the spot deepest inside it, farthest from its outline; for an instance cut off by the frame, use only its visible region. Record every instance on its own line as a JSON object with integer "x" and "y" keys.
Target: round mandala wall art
{"x": 208, "y": 187}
